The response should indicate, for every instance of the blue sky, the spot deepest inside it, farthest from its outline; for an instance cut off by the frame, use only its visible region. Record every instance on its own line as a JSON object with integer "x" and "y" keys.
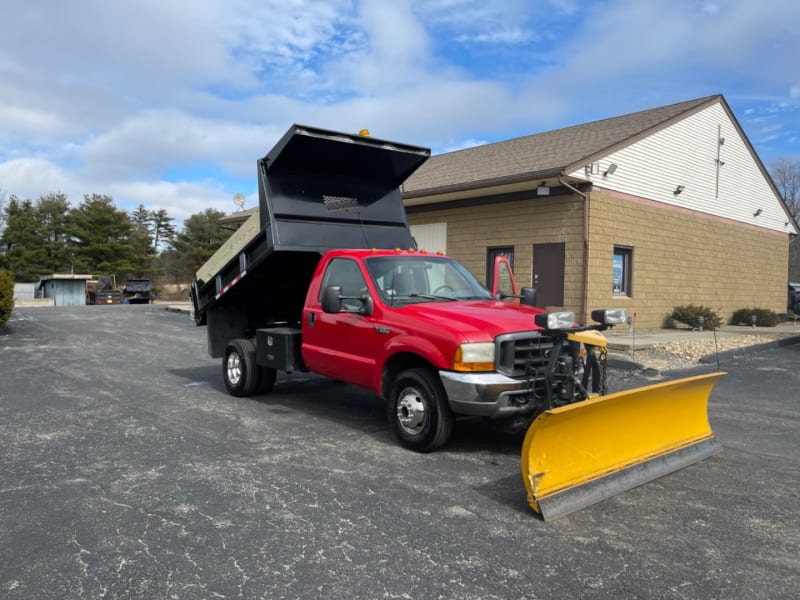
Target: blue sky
{"x": 169, "y": 104}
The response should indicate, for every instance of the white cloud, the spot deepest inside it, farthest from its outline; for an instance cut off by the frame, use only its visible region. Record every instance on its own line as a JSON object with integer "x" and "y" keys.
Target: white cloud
{"x": 33, "y": 178}
{"x": 113, "y": 98}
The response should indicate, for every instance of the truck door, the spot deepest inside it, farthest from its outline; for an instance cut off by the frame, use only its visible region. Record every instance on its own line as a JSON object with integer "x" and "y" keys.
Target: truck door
{"x": 503, "y": 277}
{"x": 343, "y": 346}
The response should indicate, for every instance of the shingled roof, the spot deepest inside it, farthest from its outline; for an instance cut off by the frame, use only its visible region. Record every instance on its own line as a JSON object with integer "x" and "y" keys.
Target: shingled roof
{"x": 543, "y": 154}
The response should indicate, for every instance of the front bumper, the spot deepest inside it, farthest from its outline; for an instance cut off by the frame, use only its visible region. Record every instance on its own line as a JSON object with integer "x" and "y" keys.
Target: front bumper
{"x": 487, "y": 394}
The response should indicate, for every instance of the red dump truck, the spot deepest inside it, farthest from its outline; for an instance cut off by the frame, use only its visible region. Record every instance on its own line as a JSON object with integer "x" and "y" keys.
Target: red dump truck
{"x": 325, "y": 277}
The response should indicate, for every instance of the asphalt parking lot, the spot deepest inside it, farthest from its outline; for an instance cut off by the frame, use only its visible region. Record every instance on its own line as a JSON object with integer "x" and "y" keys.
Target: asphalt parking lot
{"x": 127, "y": 471}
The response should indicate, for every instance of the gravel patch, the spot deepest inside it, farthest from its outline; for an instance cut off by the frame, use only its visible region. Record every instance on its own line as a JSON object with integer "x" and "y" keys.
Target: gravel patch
{"x": 686, "y": 353}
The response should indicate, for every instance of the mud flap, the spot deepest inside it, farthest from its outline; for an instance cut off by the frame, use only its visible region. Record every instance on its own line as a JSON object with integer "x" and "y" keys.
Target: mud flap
{"x": 577, "y": 455}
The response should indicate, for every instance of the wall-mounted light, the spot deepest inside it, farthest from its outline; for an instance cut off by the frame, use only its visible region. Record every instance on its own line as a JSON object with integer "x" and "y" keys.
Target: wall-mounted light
{"x": 543, "y": 189}
{"x": 679, "y": 189}
{"x": 721, "y": 141}
{"x": 612, "y": 168}
{"x": 758, "y": 212}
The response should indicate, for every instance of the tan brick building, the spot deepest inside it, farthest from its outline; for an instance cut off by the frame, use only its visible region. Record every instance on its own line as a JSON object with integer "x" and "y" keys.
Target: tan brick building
{"x": 646, "y": 211}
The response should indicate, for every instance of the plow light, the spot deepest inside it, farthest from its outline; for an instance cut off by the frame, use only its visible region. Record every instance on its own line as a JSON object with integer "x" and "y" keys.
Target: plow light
{"x": 556, "y": 320}
{"x": 610, "y": 316}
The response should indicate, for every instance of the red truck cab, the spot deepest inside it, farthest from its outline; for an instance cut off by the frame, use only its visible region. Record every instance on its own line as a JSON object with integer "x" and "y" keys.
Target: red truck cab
{"x": 419, "y": 329}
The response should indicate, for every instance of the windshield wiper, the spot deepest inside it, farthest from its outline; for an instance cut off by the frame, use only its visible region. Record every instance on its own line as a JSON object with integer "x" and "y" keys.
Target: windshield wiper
{"x": 431, "y": 297}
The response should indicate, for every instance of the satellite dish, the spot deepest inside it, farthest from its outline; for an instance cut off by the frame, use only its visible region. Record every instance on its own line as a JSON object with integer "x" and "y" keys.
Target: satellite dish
{"x": 238, "y": 200}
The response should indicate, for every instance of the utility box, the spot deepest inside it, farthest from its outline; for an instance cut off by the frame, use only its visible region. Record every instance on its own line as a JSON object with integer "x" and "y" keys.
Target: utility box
{"x": 279, "y": 348}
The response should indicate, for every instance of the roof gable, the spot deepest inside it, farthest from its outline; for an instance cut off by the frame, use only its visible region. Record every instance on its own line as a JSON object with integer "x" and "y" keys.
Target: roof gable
{"x": 541, "y": 154}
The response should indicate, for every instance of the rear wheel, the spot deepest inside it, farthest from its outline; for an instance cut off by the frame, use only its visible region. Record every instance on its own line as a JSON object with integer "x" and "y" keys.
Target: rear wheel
{"x": 239, "y": 369}
{"x": 418, "y": 410}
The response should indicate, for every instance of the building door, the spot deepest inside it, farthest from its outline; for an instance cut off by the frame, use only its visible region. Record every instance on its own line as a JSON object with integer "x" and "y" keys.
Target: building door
{"x": 548, "y": 273}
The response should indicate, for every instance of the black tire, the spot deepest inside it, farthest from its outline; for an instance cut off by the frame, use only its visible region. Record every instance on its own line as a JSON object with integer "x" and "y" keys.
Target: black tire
{"x": 268, "y": 376}
{"x": 239, "y": 369}
{"x": 418, "y": 410}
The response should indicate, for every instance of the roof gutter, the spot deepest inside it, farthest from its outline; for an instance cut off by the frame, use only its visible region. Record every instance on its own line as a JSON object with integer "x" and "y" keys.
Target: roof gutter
{"x": 481, "y": 183}
{"x": 585, "y": 278}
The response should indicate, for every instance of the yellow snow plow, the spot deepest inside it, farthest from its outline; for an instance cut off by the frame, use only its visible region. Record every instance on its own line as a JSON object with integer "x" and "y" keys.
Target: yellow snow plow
{"x": 581, "y": 453}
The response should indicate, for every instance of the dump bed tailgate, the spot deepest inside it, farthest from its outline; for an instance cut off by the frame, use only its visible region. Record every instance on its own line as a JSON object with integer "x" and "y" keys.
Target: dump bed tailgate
{"x": 318, "y": 190}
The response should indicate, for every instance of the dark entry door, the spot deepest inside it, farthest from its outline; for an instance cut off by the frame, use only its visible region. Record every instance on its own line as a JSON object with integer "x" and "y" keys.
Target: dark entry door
{"x": 548, "y": 273}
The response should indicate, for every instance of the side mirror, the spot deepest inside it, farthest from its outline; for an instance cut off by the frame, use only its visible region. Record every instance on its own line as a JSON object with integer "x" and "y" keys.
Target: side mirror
{"x": 528, "y": 296}
{"x": 369, "y": 305}
{"x": 332, "y": 302}
{"x": 332, "y": 299}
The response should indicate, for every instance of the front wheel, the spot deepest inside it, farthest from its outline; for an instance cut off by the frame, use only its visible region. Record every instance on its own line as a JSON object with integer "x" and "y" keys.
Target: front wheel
{"x": 418, "y": 410}
{"x": 239, "y": 369}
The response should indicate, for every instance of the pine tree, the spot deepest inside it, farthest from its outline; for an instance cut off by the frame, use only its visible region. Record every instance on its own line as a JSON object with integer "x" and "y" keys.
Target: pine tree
{"x": 141, "y": 241}
{"x": 102, "y": 237}
{"x": 21, "y": 251}
{"x": 52, "y": 215}
{"x": 163, "y": 230}
{"x": 199, "y": 239}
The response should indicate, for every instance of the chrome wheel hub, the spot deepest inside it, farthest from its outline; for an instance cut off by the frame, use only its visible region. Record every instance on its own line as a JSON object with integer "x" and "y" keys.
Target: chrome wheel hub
{"x": 411, "y": 411}
{"x": 234, "y": 368}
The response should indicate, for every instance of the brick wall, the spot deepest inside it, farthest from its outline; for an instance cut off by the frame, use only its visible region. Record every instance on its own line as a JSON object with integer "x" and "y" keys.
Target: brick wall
{"x": 683, "y": 257}
{"x": 679, "y": 256}
{"x": 474, "y": 228}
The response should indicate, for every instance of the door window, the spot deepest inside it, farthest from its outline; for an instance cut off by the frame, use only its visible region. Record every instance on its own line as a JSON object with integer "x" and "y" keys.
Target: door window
{"x": 345, "y": 272}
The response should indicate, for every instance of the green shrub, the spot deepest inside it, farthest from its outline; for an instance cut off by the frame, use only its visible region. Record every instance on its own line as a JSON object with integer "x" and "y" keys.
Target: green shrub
{"x": 764, "y": 317}
{"x": 6, "y": 296}
{"x": 689, "y": 314}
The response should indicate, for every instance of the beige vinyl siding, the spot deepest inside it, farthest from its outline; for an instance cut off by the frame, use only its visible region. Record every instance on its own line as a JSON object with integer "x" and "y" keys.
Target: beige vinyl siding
{"x": 431, "y": 236}
{"x": 685, "y": 153}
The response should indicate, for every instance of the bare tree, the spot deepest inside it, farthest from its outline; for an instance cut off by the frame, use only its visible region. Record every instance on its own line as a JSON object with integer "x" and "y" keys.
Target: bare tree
{"x": 786, "y": 175}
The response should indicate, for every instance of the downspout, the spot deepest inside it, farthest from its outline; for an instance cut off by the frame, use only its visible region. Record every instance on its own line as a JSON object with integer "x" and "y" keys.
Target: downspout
{"x": 585, "y": 279}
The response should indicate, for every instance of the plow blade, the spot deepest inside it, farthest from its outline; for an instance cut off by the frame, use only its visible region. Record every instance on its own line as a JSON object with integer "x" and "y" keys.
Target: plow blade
{"x": 577, "y": 455}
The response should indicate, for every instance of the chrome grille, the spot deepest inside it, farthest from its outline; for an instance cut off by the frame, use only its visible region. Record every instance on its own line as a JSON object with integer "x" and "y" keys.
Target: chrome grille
{"x": 523, "y": 354}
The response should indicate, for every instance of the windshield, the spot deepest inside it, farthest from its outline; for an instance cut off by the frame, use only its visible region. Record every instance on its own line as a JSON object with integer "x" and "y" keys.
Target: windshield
{"x": 420, "y": 278}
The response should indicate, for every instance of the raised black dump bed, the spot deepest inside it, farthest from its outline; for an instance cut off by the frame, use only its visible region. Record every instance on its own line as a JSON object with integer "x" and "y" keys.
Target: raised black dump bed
{"x": 138, "y": 291}
{"x": 318, "y": 190}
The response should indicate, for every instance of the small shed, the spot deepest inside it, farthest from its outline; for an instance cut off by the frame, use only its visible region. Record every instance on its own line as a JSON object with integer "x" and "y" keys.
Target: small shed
{"x": 65, "y": 289}
{"x": 24, "y": 291}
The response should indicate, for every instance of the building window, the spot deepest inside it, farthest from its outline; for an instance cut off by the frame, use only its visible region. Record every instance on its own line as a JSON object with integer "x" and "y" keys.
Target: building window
{"x": 623, "y": 265}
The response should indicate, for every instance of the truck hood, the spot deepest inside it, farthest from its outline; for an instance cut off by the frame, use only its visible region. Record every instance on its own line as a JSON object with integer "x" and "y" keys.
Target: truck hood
{"x": 474, "y": 321}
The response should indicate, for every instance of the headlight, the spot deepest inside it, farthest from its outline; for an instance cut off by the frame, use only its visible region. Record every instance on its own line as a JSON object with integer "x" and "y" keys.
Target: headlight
{"x": 556, "y": 320}
{"x": 610, "y": 316}
{"x": 474, "y": 357}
